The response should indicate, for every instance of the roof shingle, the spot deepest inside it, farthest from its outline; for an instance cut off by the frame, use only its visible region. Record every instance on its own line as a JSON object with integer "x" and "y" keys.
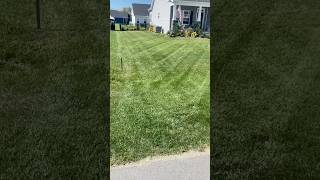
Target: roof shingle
{"x": 140, "y": 9}
{"x": 118, "y": 14}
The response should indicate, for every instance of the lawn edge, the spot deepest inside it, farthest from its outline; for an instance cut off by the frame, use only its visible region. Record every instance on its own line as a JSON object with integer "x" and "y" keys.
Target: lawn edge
{"x": 151, "y": 159}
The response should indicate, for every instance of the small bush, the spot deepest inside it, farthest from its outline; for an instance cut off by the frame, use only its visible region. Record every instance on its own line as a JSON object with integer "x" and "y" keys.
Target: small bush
{"x": 192, "y": 31}
{"x": 181, "y": 33}
{"x": 117, "y": 27}
{"x": 131, "y": 27}
{"x": 151, "y": 28}
{"x": 176, "y": 29}
{"x": 197, "y": 29}
{"x": 188, "y": 32}
{"x": 124, "y": 28}
{"x": 142, "y": 28}
{"x": 179, "y": 30}
{"x": 194, "y": 34}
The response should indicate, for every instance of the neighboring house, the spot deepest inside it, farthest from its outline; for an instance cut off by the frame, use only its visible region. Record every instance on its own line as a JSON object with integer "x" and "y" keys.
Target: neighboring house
{"x": 111, "y": 19}
{"x": 120, "y": 17}
{"x": 140, "y": 14}
{"x": 187, "y": 12}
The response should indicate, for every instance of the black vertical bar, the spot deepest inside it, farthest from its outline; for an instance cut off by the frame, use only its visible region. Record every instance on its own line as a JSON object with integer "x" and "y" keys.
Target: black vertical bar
{"x": 38, "y": 14}
{"x": 121, "y": 64}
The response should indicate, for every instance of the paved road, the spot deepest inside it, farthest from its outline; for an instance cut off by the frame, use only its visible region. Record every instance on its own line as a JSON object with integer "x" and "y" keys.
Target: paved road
{"x": 185, "y": 167}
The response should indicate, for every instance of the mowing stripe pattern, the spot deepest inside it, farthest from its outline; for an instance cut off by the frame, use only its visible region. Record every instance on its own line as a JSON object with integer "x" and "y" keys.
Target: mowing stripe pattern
{"x": 160, "y": 98}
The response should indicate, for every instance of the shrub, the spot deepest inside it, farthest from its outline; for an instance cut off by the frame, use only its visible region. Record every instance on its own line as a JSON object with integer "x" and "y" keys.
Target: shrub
{"x": 197, "y": 28}
{"x": 131, "y": 27}
{"x": 124, "y": 27}
{"x": 170, "y": 34}
{"x": 117, "y": 27}
{"x": 151, "y": 28}
{"x": 192, "y": 31}
{"x": 188, "y": 32}
{"x": 181, "y": 33}
{"x": 194, "y": 34}
{"x": 142, "y": 28}
{"x": 176, "y": 29}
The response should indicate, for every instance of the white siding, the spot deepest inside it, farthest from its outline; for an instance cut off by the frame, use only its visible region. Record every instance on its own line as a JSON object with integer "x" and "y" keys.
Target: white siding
{"x": 160, "y": 15}
{"x": 141, "y": 19}
{"x": 135, "y": 19}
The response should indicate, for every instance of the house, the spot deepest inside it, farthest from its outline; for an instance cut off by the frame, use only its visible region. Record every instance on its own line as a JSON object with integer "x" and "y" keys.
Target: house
{"x": 119, "y": 17}
{"x": 187, "y": 12}
{"x": 111, "y": 20}
{"x": 140, "y": 13}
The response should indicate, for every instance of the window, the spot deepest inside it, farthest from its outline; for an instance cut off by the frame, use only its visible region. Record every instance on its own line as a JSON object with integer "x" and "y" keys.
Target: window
{"x": 158, "y": 15}
{"x": 186, "y": 17}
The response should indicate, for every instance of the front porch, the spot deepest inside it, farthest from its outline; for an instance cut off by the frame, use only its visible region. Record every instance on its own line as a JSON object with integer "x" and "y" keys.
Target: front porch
{"x": 190, "y": 12}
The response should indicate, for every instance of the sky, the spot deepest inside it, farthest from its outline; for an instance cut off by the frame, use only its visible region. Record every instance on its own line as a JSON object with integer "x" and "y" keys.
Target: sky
{"x": 119, "y": 4}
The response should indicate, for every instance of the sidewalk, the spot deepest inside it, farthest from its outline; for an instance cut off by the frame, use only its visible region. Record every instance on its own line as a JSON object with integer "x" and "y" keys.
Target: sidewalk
{"x": 188, "y": 166}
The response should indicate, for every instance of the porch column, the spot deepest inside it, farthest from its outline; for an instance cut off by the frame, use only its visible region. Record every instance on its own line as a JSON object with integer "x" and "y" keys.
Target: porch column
{"x": 174, "y": 15}
{"x": 199, "y": 14}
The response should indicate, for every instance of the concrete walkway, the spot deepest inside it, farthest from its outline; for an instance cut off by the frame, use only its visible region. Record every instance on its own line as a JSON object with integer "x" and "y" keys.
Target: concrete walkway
{"x": 188, "y": 166}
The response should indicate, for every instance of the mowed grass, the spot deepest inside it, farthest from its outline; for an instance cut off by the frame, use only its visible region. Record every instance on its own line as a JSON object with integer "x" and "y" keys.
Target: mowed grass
{"x": 160, "y": 98}
{"x": 52, "y": 91}
{"x": 266, "y": 90}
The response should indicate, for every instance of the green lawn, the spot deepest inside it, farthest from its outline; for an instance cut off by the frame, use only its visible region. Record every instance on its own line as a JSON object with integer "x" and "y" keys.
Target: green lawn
{"x": 266, "y": 90}
{"x": 52, "y": 91}
{"x": 160, "y": 100}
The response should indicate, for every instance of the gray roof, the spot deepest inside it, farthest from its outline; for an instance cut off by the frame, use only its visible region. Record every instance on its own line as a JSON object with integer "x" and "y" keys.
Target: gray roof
{"x": 118, "y": 14}
{"x": 140, "y": 9}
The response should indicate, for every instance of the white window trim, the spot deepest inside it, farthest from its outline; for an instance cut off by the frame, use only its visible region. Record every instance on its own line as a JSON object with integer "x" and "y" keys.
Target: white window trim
{"x": 189, "y": 17}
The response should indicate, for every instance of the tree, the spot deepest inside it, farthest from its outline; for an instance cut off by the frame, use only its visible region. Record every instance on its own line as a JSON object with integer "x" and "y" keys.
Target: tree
{"x": 126, "y": 10}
